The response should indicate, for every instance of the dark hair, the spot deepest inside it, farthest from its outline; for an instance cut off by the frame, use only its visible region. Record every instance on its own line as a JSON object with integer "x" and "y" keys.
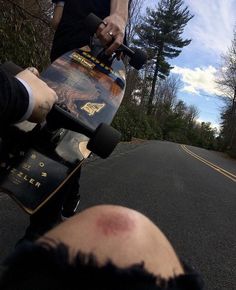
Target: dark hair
{"x": 44, "y": 267}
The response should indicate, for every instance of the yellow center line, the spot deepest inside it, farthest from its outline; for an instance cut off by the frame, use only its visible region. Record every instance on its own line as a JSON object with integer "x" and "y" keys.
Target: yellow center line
{"x": 210, "y": 164}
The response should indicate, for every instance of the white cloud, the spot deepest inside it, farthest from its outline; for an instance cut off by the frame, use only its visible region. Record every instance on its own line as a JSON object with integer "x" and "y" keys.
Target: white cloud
{"x": 213, "y": 23}
{"x": 198, "y": 80}
{"x": 190, "y": 89}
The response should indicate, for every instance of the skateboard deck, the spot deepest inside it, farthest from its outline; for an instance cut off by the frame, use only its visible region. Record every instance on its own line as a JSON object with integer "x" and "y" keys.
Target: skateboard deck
{"x": 37, "y": 160}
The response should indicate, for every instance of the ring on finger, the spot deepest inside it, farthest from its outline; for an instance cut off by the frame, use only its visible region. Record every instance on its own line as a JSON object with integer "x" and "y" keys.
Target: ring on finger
{"x": 110, "y": 33}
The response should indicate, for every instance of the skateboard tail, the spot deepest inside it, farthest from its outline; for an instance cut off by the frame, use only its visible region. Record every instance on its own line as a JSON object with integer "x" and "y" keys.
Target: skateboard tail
{"x": 34, "y": 179}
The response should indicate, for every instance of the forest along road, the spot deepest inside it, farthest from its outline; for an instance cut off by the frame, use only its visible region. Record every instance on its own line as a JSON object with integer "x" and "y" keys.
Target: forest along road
{"x": 190, "y": 193}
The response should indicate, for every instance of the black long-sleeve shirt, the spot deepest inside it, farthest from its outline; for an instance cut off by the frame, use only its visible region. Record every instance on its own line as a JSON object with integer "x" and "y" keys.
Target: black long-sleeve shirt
{"x": 14, "y": 99}
{"x": 72, "y": 32}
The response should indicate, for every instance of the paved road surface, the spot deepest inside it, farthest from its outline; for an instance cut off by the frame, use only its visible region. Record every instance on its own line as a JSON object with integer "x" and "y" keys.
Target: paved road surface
{"x": 189, "y": 192}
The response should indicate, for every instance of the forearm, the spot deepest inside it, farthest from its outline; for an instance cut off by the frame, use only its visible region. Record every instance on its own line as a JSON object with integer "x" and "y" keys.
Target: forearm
{"x": 120, "y": 7}
{"x": 57, "y": 14}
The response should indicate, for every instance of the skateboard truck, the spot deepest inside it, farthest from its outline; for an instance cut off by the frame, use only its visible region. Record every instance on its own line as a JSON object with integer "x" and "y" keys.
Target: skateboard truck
{"x": 103, "y": 139}
{"x": 137, "y": 57}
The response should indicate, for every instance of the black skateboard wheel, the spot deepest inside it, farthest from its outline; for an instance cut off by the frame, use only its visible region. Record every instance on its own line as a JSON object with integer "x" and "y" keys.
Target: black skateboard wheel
{"x": 138, "y": 59}
{"x": 104, "y": 140}
{"x": 92, "y": 23}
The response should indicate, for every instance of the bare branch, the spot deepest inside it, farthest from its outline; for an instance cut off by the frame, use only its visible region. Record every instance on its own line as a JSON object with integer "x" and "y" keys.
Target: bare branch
{"x": 29, "y": 13}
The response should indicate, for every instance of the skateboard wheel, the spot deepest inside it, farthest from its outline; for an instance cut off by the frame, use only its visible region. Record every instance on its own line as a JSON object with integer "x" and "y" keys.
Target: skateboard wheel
{"x": 104, "y": 140}
{"x": 138, "y": 59}
{"x": 92, "y": 22}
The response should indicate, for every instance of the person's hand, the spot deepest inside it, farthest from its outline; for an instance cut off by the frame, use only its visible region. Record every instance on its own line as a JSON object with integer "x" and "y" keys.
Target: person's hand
{"x": 111, "y": 32}
{"x": 44, "y": 97}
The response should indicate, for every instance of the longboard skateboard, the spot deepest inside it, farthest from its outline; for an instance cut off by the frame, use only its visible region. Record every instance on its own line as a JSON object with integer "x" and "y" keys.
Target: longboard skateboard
{"x": 36, "y": 160}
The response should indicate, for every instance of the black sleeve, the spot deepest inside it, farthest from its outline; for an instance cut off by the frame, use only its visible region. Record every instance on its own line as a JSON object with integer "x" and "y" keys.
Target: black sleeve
{"x": 14, "y": 99}
{"x": 55, "y": 1}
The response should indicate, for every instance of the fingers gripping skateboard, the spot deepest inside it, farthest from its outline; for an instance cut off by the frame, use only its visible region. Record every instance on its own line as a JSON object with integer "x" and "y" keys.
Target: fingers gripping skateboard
{"x": 137, "y": 57}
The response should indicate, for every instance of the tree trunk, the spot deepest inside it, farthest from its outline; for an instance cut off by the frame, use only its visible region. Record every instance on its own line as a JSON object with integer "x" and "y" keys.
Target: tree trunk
{"x": 233, "y": 122}
{"x": 144, "y": 92}
{"x": 154, "y": 81}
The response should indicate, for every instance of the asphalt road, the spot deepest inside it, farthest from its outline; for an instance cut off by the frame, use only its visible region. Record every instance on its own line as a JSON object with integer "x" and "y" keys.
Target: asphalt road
{"x": 190, "y": 193}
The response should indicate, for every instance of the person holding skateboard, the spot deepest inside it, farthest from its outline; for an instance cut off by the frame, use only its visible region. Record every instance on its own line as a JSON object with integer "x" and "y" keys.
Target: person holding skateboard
{"x": 71, "y": 33}
{"x": 68, "y": 20}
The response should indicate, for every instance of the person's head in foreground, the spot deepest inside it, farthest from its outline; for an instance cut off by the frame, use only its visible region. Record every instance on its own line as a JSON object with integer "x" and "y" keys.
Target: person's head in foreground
{"x": 103, "y": 247}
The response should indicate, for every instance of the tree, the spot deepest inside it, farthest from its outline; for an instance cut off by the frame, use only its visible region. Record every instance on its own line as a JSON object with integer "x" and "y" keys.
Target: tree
{"x": 227, "y": 77}
{"x": 133, "y": 79}
{"x": 165, "y": 97}
{"x": 134, "y": 18}
{"x": 25, "y": 32}
{"x": 227, "y": 84}
{"x": 160, "y": 33}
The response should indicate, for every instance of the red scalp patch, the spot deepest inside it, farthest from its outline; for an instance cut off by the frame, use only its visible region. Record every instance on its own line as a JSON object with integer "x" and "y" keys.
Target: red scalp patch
{"x": 114, "y": 224}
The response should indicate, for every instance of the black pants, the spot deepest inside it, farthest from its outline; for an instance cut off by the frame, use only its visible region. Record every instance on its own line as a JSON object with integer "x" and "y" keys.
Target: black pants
{"x": 50, "y": 214}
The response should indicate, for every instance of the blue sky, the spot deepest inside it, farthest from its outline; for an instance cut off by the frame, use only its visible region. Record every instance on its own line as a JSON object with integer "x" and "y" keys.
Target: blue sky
{"x": 211, "y": 31}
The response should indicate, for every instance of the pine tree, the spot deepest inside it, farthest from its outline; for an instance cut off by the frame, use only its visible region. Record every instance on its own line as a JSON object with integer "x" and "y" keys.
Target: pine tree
{"x": 160, "y": 33}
